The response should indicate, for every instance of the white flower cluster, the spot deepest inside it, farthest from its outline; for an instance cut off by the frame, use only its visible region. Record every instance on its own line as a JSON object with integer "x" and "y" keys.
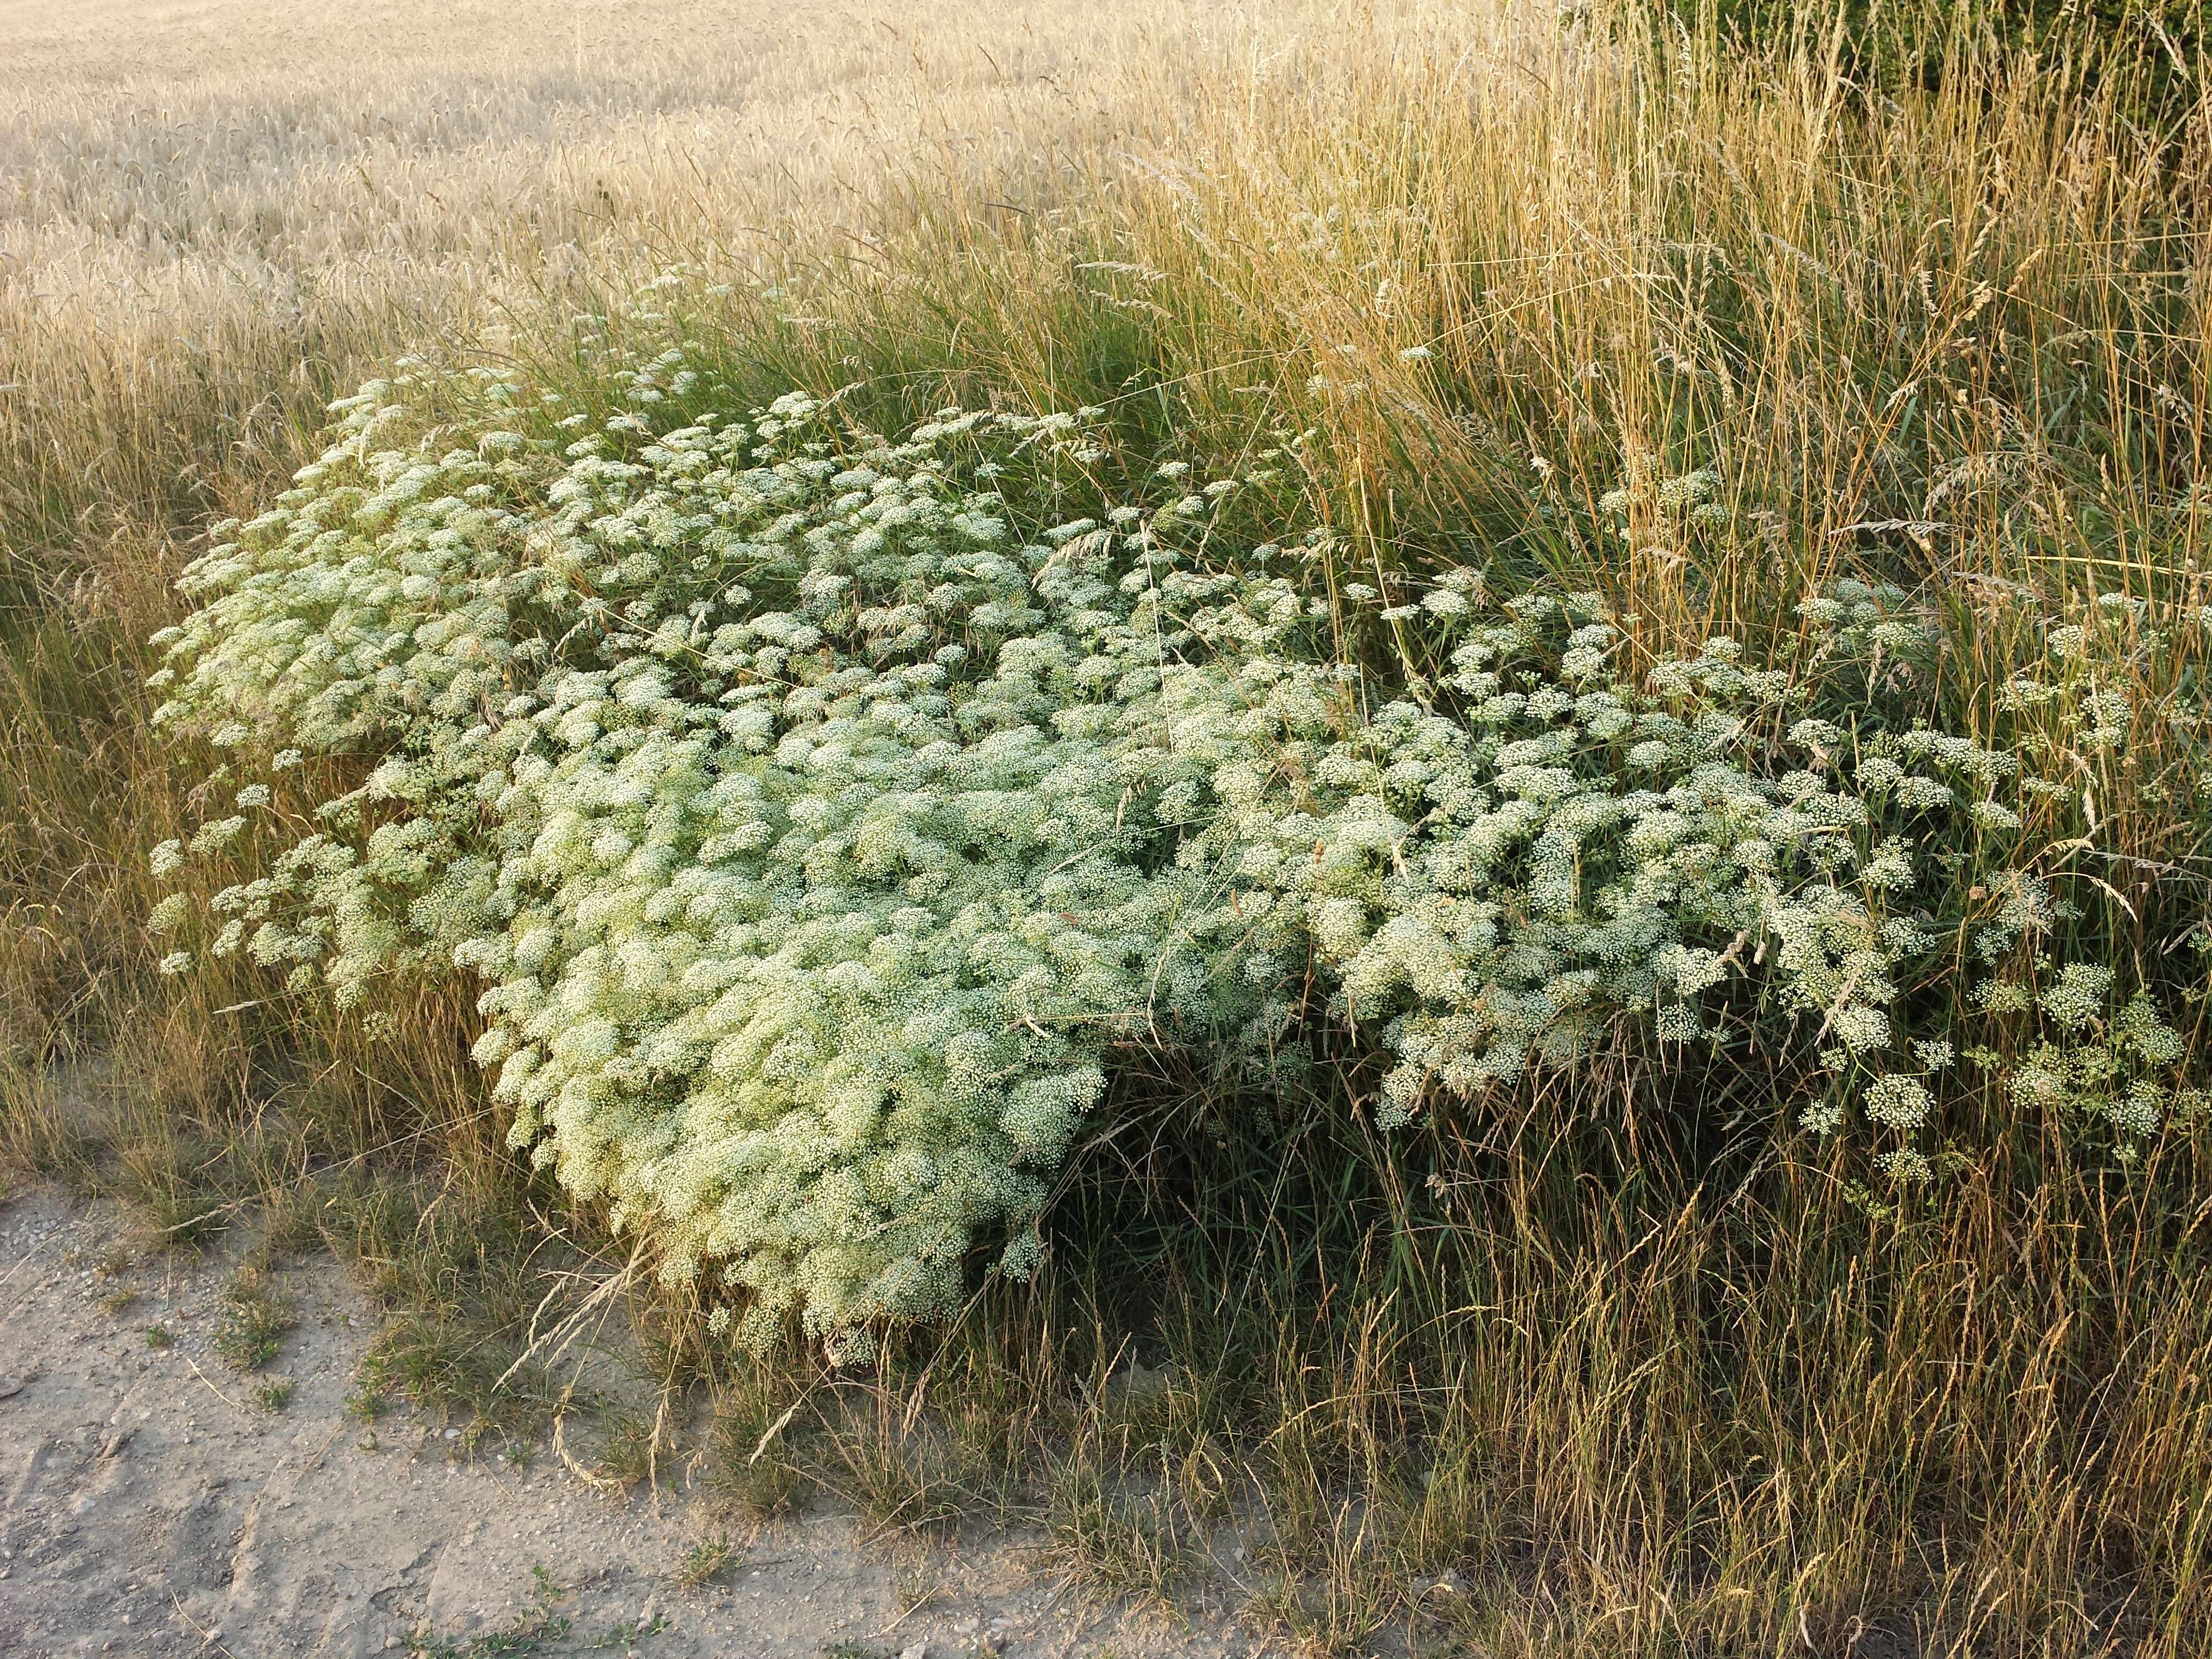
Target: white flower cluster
{"x": 824, "y": 813}
{"x": 1498, "y": 889}
{"x": 816, "y": 833}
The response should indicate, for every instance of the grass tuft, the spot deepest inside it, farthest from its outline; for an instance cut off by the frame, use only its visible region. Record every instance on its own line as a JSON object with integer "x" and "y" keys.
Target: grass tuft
{"x": 704, "y": 1561}
{"x": 256, "y": 1320}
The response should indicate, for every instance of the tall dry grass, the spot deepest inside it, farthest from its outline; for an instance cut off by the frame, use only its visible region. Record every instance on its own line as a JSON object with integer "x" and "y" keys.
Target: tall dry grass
{"x": 1570, "y": 1378}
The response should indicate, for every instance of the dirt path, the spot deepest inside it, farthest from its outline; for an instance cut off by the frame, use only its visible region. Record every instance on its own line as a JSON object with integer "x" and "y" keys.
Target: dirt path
{"x": 150, "y": 1505}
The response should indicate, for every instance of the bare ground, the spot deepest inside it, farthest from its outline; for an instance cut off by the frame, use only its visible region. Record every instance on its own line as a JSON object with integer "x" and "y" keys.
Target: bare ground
{"x": 150, "y": 1504}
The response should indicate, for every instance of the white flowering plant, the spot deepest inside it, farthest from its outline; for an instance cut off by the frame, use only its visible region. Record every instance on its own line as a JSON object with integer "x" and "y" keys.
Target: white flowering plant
{"x": 826, "y": 815}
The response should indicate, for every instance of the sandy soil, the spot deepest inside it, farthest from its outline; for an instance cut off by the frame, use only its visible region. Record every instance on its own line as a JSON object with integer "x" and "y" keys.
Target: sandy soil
{"x": 150, "y": 1505}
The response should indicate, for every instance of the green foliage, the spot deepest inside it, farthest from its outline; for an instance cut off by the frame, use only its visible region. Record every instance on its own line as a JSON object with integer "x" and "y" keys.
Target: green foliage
{"x": 255, "y": 1322}
{"x": 828, "y": 814}
{"x": 703, "y": 1563}
{"x": 536, "y": 1629}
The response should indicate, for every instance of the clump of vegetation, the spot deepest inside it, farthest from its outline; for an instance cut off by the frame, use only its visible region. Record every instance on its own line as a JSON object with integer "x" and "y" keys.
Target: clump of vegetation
{"x": 256, "y": 1320}
{"x": 703, "y": 1562}
{"x": 539, "y": 1628}
{"x": 828, "y": 825}
{"x": 461, "y": 1279}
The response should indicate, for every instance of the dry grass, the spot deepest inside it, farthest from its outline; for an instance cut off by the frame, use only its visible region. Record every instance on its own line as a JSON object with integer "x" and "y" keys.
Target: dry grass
{"x": 1566, "y": 1380}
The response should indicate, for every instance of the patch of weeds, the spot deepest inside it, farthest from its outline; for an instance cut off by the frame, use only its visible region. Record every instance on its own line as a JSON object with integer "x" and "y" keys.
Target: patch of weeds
{"x": 624, "y": 1637}
{"x": 289, "y": 1226}
{"x": 1326, "y": 1582}
{"x": 1125, "y": 1543}
{"x": 535, "y": 1629}
{"x": 255, "y": 1322}
{"x": 703, "y": 1563}
{"x": 274, "y": 1393}
{"x": 453, "y": 1278}
{"x": 371, "y": 1398}
{"x": 530, "y": 1633}
{"x": 902, "y": 1475}
{"x": 175, "y": 1189}
{"x": 750, "y": 1469}
{"x": 157, "y": 1337}
{"x": 629, "y": 1453}
{"x": 117, "y": 1302}
{"x": 917, "y": 1482}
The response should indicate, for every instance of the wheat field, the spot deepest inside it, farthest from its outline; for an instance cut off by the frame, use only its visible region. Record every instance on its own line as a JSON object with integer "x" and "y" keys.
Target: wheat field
{"x": 210, "y": 195}
{"x": 1562, "y": 1378}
